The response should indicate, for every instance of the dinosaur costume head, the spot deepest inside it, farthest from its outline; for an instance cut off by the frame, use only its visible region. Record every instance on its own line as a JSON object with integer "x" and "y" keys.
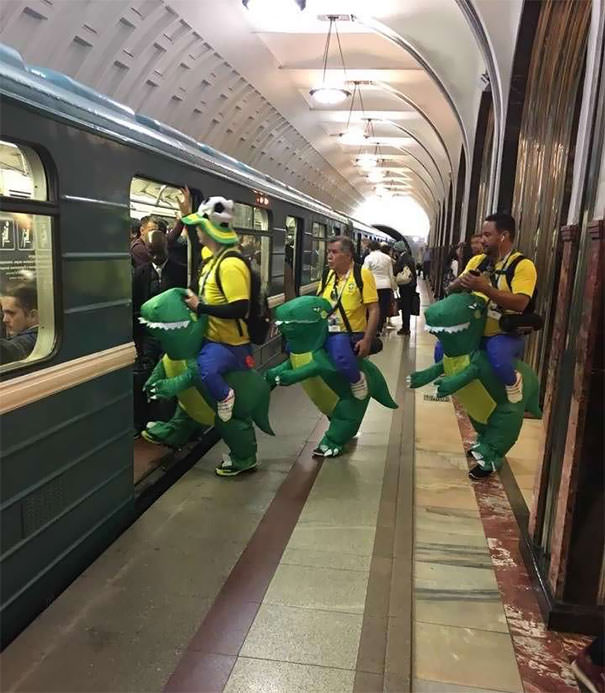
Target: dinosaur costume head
{"x": 304, "y": 323}
{"x": 458, "y": 322}
{"x": 177, "y": 329}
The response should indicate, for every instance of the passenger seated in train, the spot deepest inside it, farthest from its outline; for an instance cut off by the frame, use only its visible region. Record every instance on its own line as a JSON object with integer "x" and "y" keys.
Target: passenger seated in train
{"x": 224, "y": 295}
{"x": 352, "y": 325}
{"x": 507, "y": 280}
{"x": 20, "y": 320}
{"x": 152, "y": 278}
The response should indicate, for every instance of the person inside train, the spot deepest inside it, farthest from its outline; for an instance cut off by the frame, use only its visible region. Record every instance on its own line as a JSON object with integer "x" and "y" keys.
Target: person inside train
{"x": 507, "y": 280}
{"x": 224, "y": 295}
{"x": 353, "y": 323}
{"x": 139, "y": 252}
{"x": 20, "y": 319}
{"x": 476, "y": 245}
{"x": 150, "y": 279}
{"x": 379, "y": 262}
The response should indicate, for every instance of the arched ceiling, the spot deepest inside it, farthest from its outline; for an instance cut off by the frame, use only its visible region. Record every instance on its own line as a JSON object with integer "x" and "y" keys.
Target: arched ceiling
{"x": 241, "y": 83}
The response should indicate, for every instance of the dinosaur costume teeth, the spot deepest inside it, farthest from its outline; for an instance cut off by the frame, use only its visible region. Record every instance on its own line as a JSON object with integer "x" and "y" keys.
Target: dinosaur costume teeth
{"x": 304, "y": 323}
{"x": 466, "y": 372}
{"x": 181, "y": 324}
{"x": 435, "y": 329}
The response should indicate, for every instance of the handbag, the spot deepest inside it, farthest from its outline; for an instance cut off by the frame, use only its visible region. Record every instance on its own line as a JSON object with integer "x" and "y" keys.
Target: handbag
{"x": 415, "y": 308}
{"x": 404, "y": 277}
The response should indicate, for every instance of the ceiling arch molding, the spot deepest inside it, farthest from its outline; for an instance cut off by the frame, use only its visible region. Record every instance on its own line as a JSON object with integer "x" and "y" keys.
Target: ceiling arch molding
{"x": 391, "y": 35}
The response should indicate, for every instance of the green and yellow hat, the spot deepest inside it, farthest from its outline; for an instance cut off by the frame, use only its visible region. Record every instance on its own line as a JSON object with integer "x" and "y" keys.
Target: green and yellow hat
{"x": 214, "y": 217}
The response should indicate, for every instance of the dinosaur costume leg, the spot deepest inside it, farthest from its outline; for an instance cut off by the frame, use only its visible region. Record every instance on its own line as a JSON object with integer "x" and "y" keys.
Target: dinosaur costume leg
{"x": 174, "y": 433}
{"x": 498, "y": 437}
{"x": 240, "y": 438}
{"x": 344, "y": 424}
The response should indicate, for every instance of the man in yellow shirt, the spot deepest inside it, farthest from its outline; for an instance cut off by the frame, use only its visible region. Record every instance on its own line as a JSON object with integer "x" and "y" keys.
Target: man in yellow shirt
{"x": 507, "y": 280}
{"x": 224, "y": 295}
{"x": 353, "y": 322}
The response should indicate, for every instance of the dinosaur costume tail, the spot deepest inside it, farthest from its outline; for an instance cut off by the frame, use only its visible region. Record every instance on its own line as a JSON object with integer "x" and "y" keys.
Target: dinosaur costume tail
{"x": 377, "y": 384}
{"x": 531, "y": 389}
{"x": 252, "y": 397}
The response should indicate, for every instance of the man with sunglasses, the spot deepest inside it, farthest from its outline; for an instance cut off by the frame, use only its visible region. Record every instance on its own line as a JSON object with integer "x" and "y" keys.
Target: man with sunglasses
{"x": 354, "y": 320}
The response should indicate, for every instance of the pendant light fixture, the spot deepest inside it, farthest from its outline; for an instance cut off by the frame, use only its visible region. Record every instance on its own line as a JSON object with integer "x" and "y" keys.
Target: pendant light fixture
{"x": 329, "y": 94}
{"x": 353, "y": 134}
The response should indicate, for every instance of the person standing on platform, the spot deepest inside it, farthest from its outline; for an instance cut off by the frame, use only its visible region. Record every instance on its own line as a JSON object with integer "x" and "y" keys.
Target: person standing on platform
{"x": 405, "y": 276}
{"x": 352, "y": 325}
{"x": 380, "y": 264}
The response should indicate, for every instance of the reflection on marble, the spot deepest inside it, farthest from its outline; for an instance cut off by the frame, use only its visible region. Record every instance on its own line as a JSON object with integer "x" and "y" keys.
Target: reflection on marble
{"x": 544, "y": 656}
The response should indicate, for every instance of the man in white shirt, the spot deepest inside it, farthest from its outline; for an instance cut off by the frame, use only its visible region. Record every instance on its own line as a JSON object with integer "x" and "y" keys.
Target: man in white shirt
{"x": 381, "y": 266}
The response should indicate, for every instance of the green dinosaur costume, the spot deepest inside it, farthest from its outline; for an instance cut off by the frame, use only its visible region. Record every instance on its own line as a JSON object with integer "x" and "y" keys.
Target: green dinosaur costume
{"x": 181, "y": 333}
{"x": 458, "y": 321}
{"x": 304, "y": 323}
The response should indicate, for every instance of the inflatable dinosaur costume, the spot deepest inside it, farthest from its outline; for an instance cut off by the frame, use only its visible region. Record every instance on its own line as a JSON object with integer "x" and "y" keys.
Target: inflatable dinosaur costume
{"x": 458, "y": 321}
{"x": 304, "y": 323}
{"x": 180, "y": 333}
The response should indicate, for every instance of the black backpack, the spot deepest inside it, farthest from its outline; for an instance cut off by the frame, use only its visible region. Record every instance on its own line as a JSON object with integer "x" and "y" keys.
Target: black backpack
{"x": 509, "y": 273}
{"x": 258, "y": 319}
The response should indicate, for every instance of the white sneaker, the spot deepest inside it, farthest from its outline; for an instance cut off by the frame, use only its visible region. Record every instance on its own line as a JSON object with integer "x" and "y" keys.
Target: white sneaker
{"x": 360, "y": 388}
{"x": 514, "y": 392}
{"x": 224, "y": 407}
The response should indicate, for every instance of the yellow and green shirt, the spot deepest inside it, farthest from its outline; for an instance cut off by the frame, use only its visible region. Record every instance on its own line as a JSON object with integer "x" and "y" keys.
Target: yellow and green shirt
{"x": 235, "y": 280}
{"x": 353, "y": 303}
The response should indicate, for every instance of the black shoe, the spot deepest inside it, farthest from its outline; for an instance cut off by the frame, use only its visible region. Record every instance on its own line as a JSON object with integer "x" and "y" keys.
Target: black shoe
{"x": 318, "y": 452}
{"x": 469, "y": 454}
{"x": 477, "y": 473}
{"x": 402, "y": 331}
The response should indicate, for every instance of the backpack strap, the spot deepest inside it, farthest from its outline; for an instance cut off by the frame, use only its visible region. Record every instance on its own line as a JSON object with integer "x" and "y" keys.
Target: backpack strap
{"x": 324, "y": 279}
{"x": 358, "y": 278}
{"x": 483, "y": 265}
{"x": 509, "y": 271}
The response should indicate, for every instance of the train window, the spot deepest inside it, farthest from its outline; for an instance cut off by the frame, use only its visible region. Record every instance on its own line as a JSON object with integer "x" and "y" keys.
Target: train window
{"x": 314, "y": 253}
{"x": 257, "y": 249}
{"x": 292, "y": 226}
{"x": 26, "y": 268}
{"x": 21, "y": 173}
{"x": 249, "y": 217}
{"x": 150, "y": 198}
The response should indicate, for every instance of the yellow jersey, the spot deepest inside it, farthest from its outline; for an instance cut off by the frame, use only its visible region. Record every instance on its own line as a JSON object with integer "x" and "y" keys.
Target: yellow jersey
{"x": 235, "y": 280}
{"x": 353, "y": 303}
{"x": 523, "y": 282}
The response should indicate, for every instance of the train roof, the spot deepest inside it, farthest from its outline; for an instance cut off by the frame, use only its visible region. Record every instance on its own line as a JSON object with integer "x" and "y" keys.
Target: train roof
{"x": 64, "y": 97}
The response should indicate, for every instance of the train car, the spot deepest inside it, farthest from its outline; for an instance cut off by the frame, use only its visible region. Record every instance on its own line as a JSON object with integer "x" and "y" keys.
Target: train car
{"x": 75, "y": 168}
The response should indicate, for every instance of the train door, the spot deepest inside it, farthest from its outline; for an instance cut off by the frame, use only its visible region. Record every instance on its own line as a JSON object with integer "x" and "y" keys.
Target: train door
{"x": 291, "y": 276}
{"x": 163, "y": 257}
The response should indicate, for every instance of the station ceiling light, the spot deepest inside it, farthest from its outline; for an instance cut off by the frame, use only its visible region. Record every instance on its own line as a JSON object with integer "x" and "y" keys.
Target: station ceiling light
{"x": 376, "y": 175}
{"x": 366, "y": 161}
{"x": 329, "y": 93}
{"x": 272, "y": 9}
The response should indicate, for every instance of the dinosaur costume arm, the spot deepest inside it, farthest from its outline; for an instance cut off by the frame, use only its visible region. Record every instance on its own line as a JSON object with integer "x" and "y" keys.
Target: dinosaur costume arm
{"x": 158, "y": 373}
{"x": 426, "y": 376}
{"x": 170, "y": 387}
{"x": 452, "y": 383}
{"x": 310, "y": 370}
{"x": 273, "y": 373}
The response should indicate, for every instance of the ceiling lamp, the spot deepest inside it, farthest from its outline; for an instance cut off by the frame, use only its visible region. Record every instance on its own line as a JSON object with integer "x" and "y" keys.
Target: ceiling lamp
{"x": 367, "y": 161}
{"x": 272, "y": 9}
{"x": 331, "y": 93}
{"x": 376, "y": 175}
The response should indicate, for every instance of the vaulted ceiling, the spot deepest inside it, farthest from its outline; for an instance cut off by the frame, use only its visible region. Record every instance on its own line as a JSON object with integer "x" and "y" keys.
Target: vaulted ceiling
{"x": 240, "y": 82}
